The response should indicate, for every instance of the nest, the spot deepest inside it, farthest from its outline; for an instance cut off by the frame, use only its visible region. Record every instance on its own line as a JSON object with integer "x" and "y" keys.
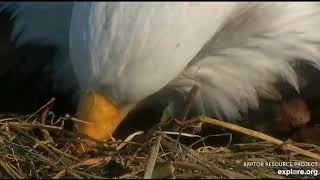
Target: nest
{"x": 37, "y": 146}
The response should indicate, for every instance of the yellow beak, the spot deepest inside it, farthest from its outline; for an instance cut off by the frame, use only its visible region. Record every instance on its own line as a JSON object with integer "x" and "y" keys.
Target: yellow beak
{"x": 102, "y": 116}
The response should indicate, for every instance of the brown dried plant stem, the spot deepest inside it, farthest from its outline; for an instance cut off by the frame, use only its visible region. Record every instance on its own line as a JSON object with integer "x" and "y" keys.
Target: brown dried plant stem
{"x": 259, "y": 135}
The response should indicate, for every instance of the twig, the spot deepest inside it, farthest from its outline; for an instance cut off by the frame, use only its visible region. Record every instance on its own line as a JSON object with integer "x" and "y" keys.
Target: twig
{"x": 52, "y": 100}
{"x": 63, "y": 153}
{"x": 215, "y": 135}
{"x": 194, "y": 155}
{"x": 75, "y": 175}
{"x": 245, "y": 153}
{"x": 9, "y": 119}
{"x": 86, "y": 174}
{"x": 10, "y": 170}
{"x": 190, "y": 99}
{"x": 184, "y": 123}
{"x": 152, "y": 159}
{"x": 128, "y": 139}
{"x": 259, "y": 135}
{"x": 29, "y": 125}
{"x": 45, "y": 113}
{"x": 30, "y": 151}
{"x": 50, "y": 127}
{"x": 190, "y": 165}
{"x": 88, "y": 162}
{"x": 191, "y": 176}
{"x": 38, "y": 142}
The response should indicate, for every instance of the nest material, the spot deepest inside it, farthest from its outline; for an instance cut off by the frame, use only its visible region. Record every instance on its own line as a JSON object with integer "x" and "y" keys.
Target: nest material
{"x": 37, "y": 146}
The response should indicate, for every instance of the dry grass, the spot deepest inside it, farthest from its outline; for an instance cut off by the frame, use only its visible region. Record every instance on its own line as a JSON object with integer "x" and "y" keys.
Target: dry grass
{"x": 36, "y": 146}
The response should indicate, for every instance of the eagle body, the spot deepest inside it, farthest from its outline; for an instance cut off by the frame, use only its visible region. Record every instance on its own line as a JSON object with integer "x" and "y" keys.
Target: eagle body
{"x": 233, "y": 52}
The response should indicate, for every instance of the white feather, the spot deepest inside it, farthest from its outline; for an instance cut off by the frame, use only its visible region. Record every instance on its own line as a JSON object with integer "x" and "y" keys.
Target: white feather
{"x": 234, "y": 51}
{"x": 242, "y": 60}
{"x": 132, "y": 50}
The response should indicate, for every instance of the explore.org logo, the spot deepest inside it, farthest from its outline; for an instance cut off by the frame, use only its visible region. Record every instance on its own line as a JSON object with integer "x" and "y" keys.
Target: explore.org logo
{"x": 287, "y": 172}
{"x": 288, "y": 168}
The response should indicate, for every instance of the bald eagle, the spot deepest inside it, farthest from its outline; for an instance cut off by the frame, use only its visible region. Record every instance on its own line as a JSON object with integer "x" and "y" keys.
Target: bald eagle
{"x": 124, "y": 52}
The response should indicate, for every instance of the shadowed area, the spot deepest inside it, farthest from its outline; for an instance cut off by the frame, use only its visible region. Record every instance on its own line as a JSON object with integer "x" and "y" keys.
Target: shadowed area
{"x": 26, "y": 81}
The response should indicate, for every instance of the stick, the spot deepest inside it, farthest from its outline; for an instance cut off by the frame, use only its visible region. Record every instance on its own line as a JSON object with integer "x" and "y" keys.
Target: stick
{"x": 52, "y": 100}
{"x": 259, "y": 135}
{"x": 190, "y": 99}
{"x": 152, "y": 159}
